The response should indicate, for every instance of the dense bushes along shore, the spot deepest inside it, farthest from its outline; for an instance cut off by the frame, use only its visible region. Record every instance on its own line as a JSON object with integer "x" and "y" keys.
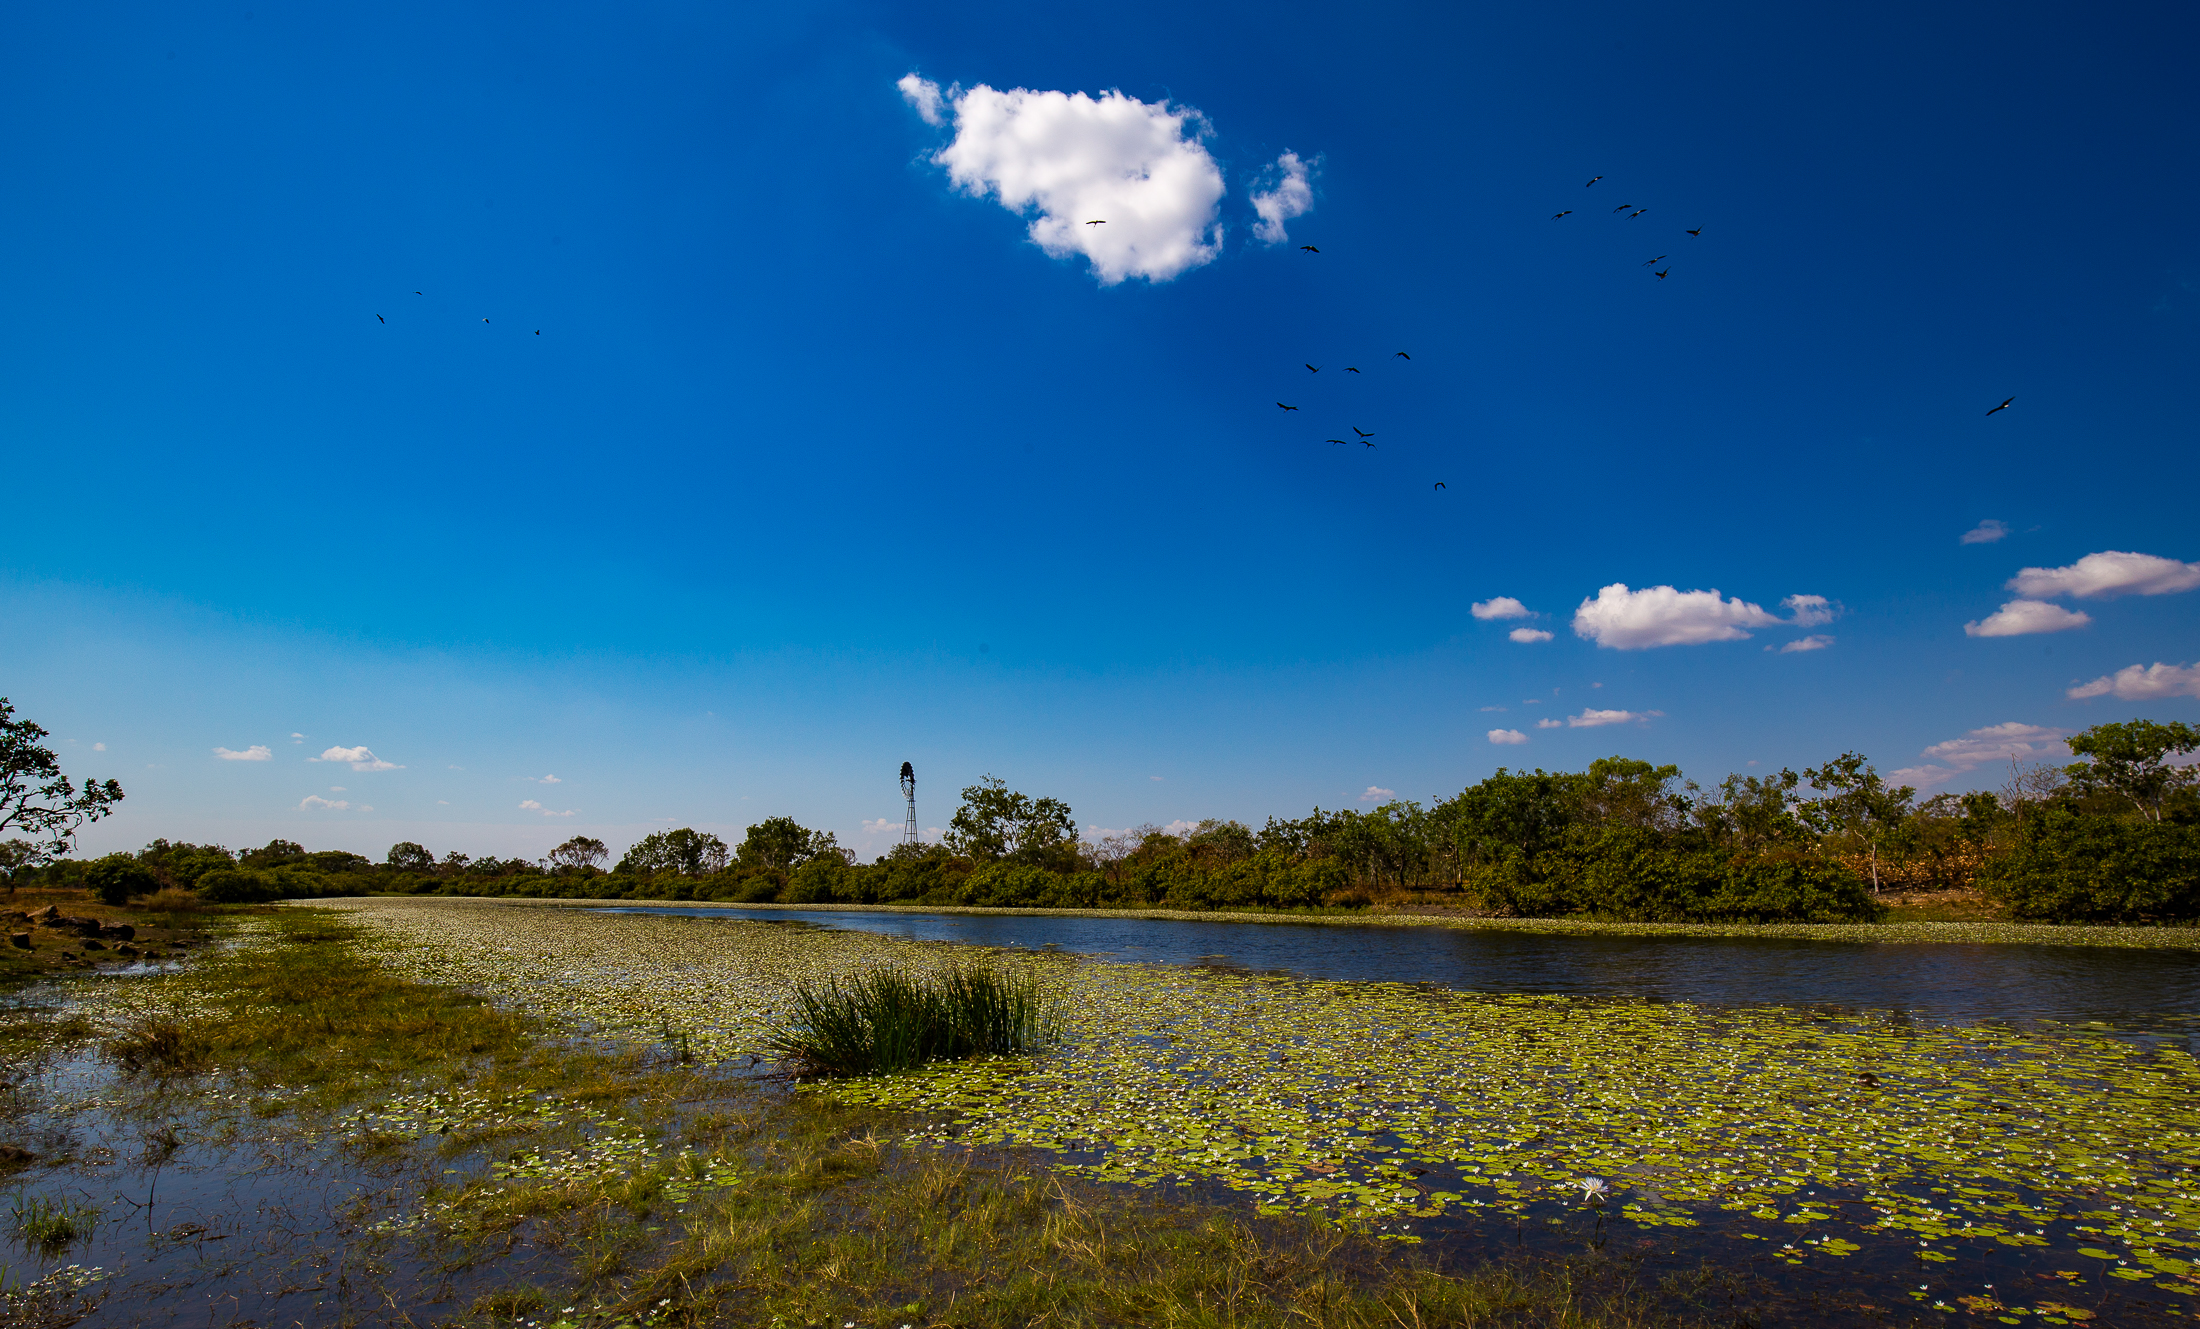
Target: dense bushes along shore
{"x": 2113, "y": 838}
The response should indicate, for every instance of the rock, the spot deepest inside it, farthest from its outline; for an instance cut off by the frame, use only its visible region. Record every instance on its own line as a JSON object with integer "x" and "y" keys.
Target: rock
{"x": 121, "y": 931}
{"x": 16, "y": 1156}
{"x": 85, "y": 927}
{"x": 20, "y": 940}
{"x": 126, "y": 949}
{"x": 91, "y": 945}
{"x": 48, "y": 914}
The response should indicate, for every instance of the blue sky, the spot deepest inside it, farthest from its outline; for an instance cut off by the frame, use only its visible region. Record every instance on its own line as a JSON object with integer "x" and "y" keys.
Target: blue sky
{"x": 820, "y": 463}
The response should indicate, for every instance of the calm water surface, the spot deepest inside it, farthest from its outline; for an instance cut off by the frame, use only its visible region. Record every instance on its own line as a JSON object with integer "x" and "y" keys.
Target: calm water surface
{"x": 1935, "y": 981}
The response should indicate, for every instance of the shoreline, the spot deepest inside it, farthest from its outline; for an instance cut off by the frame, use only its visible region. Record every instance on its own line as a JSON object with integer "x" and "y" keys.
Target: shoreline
{"x": 1969, "y": 933}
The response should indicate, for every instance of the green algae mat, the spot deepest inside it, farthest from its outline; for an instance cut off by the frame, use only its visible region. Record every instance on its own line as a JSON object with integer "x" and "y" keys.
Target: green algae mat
{"x": 2021, "y": 1172}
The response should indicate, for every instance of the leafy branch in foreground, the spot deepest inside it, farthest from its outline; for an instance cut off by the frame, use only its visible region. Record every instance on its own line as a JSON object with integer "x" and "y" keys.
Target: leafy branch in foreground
{"x": 36, "y": 797}
{"x": 891, "y": 1020}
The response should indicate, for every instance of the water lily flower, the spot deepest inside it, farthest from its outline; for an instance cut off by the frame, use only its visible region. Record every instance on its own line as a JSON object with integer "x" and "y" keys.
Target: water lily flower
{"x": 1593, "y": 1189}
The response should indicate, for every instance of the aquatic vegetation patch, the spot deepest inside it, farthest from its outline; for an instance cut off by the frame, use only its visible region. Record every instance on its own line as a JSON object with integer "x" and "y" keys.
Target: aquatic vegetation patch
{"x": 890, "y": 1019}
{"x": 1829, "y": 1139}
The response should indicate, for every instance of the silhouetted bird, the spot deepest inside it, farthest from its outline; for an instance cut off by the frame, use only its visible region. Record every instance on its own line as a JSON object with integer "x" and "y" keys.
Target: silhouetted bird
{"x": 1664, "y": 274}
{"x": 538, "y": 332}
{"x": 1350, "y": 370}
{"x": 1369, "y": 444}
{"x": 1623, "y": 207}
{"x": 1567, "y": 213}
{"x": 1651, "y": 263}
{"x": 416, "y": 292}
{"x": 1636, "y": 213}
{"x": 1288, "y": 408}
{"x": 1312, "y": 369}
{"x": 2003, "y": 407}
{"x": 1101, "y": 222}
{"x": 1401, "y": 355}
{"x": 1361, "y": 432}
{"x": 1439, "y": 484}
{"x": 1697, "y": 231}
{"x": 379, "y": 319}
{"x": 1310, "y": 249}
{"x": 1592, "y": 180}
{"x": 485, "y": 320}
{"x": 1336, "y": 440}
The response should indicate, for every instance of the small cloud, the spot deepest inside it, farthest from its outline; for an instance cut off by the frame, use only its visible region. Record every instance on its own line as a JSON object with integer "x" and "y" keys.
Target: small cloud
{"x": 359, "y": 758}
{"x": 2022, "y": 618}
{"x": 1985, "y": 533}
{"x": 443, "y": 802}
{"x": 1503, "y": 606}
{"x": 454, "y": 768}
{"x": 1493, "y": 708}
{"x": 880, "y": 826}
{"x": 924, "y": 95}
{"x": 2108, "y": 573}
{"x": 1992, "y": 745}
{"x": 1548, "y": 723}
{"x": 1528, "y": 636}
{"x": 1590, "y": 719}
{"x": 1290, "y": 196}
{"x": 1532, "y": 701}
{"x": 316, "y": 801}
{"x": 1596, "y": 685}
{"x": 530, "y": 805}
{"x": 338, "y": 789}
{"x": 1628, "y": 620}
{"x": 2143, "y": 683}
{"x": 1507, "y": 736}
{"x": 1377, "y": 791}
{"x": 1808, "y": 611}
{"x": 297, "y": 738}
{"x": 1814, "y": 642}
{"x": 539, "y": 779}
{"x": 1154, "y": 778}
{"x": 366, "y": 807}
{"x": 257, "y": 752}
{"x": 99, "y": 747}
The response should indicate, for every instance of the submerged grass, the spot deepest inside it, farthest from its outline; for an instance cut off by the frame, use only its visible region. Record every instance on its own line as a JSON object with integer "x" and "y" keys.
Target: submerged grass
{"x": 891, "y": 1019}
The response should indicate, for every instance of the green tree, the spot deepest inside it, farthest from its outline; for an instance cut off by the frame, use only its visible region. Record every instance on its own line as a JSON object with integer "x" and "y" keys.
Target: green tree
{"x": 276, "y": 853}
{"x": 1855, "y": 801}
{"x": 117, "y": 877}
{"x": 406, "y": 856}
{"x": 2131, "y": 761}
{"x": 37, "y": 799}
{"x": 785, "y": 844}
{"x": 996, "y": 822}
{"x": 580, "y": 854}
{"x": 687, "y": 851}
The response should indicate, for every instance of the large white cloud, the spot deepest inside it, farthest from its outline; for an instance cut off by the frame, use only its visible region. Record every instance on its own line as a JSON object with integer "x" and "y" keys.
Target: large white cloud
{"x": 2022, "y": 618}
{"x": 1501, "y": 606}
{"x": 2009, "y": 741}
{"x": 2108, "y": 573}
{"x": 2144, "y": 683}
{"x": 359, "y": 758}
{"x": 1628, "y": 620}
{"x": 1290, "y": 196}
{"x": 1136, "y": 167}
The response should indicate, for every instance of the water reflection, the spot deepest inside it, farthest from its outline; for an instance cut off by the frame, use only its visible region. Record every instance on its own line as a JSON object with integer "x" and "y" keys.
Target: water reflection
{"x": 1933, "y": 981}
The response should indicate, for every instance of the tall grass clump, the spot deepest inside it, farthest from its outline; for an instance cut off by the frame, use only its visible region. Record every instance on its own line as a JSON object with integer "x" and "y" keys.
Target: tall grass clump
{"x": 891, "y": 1020}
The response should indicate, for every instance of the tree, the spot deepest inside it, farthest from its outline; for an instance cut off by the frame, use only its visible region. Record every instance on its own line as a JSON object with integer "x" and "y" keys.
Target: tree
{"x": 687, "y": 851}
{"x": 580, "y": 854}
{"x": 2131, "y": 760}
{"x": 276, "y": 853}
{"x": 16, "y": 855}
{"x": 117, "y": 877}
{"x": 995, "y": 822}
{"x": 785, "y": 844}
{"x": 406, "y": 856}
{"x": 36, "y": 798}
{"x": 1856, "y": 801}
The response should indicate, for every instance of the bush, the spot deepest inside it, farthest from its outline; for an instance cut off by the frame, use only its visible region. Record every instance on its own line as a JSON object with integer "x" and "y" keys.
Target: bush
{"x": 261, "y": 885}
{"x": 117, "y": 877}
{"x": 2069, "y": 866}
{"x": 1632, "y": 874}
{"x": 890, "y": 1020}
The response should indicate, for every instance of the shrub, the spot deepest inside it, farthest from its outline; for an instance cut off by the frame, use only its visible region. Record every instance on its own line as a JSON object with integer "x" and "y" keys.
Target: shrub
{"x": 891, "y": 1020}
{"x": 117, "y": 877}
{"x": 2070, "y": 866}
{"x": 261, "y": 885}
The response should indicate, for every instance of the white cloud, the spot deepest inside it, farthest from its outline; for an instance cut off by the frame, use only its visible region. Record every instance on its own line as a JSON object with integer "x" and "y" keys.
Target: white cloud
{"x": 338, "y": 789}
{"x": 316, "y": 801}
{"x": 530, "y": 805}
{"x": 1136, "y": 167}
{"x": 257, "y": 752}
{"x": 1808, "y": 611}
{"x": 1994, "y": 744}
{"x": 1628, "y": 620}
{"x": 2108, "y": 573}
{"x": 923, "y": 94}
{"x": 1549, "y": 723}
{"x": 1817, "y": 641}
{"x": 1493, "y": 708}
{"x": 1528, "y": 636}
{"x": 1507, "y": 736}
{"x": 99, "y": 747}
{"x": 359, "y": 758}
{"x": 1290, "y": 197}
{"x": 1377, "y": 791}
{"x": 2020, "y": 618}
{"x": 1591, "y": 719}
{"x": 1503, "y": 606}
{"x": 1985, "y": 533}
{"x": 2144, "y": 683}
{"x": 1155, "y": 778}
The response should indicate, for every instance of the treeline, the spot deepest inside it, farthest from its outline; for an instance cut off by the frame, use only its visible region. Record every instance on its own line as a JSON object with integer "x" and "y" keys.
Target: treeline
{"x": 2114, "y": 837}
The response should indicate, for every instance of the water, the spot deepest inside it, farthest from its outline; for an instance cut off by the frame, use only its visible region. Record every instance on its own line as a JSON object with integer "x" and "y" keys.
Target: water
{"x": 1939, "y": 982}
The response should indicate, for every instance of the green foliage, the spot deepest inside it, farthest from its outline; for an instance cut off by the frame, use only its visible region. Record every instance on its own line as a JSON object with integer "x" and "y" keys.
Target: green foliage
{"x": 407, "y": 856}
{"x": 688, "y": 852}
{"x": 580, "y": 854}
{"x": 245, "y": 885}
{"x": 892, "y": 1020}
{"x": 118, "y": 877}
{"x": 50, "y": 1227}
{"x": 273, "y": 854}
{"x": 36, "y": 799}
{"x": 2074, "y": 866}
{"x": 2131, "y": 761}
{"x": 996, "y": 822}
{"x": 785, "y": 844}
{"x": 183, "y": 864}
{"x": 1628, "y": 872}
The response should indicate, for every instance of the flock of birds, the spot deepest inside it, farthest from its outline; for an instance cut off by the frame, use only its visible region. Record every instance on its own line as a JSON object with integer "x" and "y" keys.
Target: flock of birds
{"x": 379, "y": 319}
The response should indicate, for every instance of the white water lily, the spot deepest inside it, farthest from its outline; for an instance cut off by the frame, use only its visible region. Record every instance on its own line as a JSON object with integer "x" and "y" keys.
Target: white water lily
{"x": 1593, "y": 1189}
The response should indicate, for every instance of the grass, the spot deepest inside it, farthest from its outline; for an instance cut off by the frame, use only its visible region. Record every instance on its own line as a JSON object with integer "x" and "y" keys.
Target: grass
{"x": 50, "y": 1227}
{"x": 891, "y": 1020}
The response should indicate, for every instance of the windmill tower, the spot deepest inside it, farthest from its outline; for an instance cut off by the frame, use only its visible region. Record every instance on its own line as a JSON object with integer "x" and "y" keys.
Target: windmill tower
{"x": 909, "y": 792}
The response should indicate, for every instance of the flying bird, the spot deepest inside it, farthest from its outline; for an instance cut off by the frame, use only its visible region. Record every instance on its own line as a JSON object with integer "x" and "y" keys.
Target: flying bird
{"x": 1637, "y": 213}
{"x": 1369, "y": 444}
{"x": 1288, "y": 408}
{"x": 1401, "y": 355}
{"x": 1311, "y": 369}
{"x": 1439, "y": 484}
{"x": 1336, "y": 440}
{"x": 1361, "y": 432}
{"x": 1592, "y": 180}
{"x": 1655, "y": 261}
{"x": 1697, "y": 231}
{"x": 379, "y": 319}
{"x": 416, "y": 292}
{"x": 1310, "y": 249}
{"x": 2003, "y": 407}
{"x": 1350, "y": 370}
{"x": 1623, "y": 207}
{"x": 1664, "y": 274}
{"x": 485, "y": 320}
{"x": 1567, "y": 213}
{"x": 1101, "y": 222}
{"x": 538, "y": 332}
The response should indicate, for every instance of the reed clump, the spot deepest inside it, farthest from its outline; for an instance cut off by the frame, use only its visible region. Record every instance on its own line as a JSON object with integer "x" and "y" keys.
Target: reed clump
{"x": 891, "y": 1019}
